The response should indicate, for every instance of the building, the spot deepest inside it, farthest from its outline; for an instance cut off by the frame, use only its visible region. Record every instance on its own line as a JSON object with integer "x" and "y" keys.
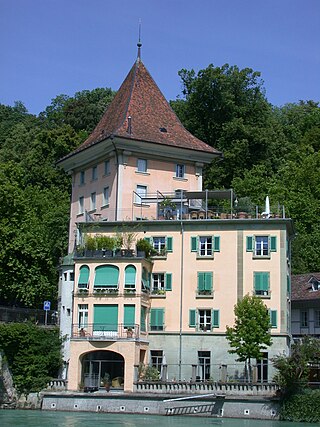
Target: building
{"x": 305, "y": 305}
{"x": 138, "y": 179}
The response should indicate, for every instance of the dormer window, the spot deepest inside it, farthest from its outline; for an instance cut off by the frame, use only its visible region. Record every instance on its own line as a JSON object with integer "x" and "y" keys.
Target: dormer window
{"x": 315, "y": 285}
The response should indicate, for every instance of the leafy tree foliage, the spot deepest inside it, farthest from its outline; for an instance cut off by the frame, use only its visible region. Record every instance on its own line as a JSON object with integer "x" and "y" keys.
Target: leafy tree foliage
{"x": 251, "y": 333}
{"x": 33, "y": 354}
{"x": 295, "y": 371}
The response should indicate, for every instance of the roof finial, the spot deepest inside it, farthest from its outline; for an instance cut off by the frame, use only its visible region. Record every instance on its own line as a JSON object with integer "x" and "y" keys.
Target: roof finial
{"x": 139, "y": 44}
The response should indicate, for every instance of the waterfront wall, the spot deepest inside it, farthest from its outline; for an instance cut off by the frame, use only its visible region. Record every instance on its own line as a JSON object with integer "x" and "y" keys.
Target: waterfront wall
{"x": 219, "y": 406}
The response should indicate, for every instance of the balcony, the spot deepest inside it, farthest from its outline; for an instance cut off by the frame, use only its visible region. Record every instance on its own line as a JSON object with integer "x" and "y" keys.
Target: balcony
{"x": 105, "y": 332}
{"x": 107, "y": 254}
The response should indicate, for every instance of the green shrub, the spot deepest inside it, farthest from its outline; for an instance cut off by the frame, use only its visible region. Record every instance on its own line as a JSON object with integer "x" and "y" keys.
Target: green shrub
{"x": 301, "y": 407}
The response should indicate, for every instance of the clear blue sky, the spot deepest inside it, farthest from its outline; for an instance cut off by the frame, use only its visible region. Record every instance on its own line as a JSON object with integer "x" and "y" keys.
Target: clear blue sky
{"x": 50, "y": 47}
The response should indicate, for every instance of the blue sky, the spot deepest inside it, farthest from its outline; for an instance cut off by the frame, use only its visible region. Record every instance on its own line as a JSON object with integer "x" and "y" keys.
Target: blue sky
{"x": 50, "y": 47}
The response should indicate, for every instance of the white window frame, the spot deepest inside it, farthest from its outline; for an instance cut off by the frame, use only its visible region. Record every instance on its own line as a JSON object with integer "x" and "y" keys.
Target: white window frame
{"x": 159, "y": 243}
{"x": 106, "y": 196}
{"x": 158, "y": 282}
{"x": 205, "y": 246}
{"x": 180, "y": 170}
{"x": 140, "y": 187}
{"x": 81, "y": 205}
{"x": 205, "y": 318}
{"x": 261, "y": 246}
{"x": 142, "y": 165}
{"x": 93, "y": 201}
{"x": 83, "y": 312}
{"x": 156, "y": 357}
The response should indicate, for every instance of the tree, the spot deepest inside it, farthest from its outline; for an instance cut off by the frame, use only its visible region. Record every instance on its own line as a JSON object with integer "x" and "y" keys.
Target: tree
{"x": 295, "y": 371}
{"x": 251, "y": 332}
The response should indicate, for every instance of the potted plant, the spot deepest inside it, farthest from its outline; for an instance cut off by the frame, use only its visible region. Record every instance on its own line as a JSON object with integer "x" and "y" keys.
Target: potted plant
{"x": 106, "y": 381}
{"x": 129, "y": 332}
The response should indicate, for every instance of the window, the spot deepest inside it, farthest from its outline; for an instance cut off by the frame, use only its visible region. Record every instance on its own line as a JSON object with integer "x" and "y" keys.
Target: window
{"x": 204, "y": 319}
{"x": 93, "y": 199}
{"x": 161, "y": 282}
{"x": 304, "y": 317}
{"x": 65, "y": 276}
{"x": 273, "y": 318}
{"x": 106, "y": 276}
{"x": 205, "y": 245}
{"x": 129, "y": 316}
{"x": 82, "y": 315}
{"x": 145, "y": 280}
{"x": 204, "y": 365}
{"x": 161, "y": 244}
{"x": 180, "y": 170}
{"x": 107, "y": 167}
{"x": 156, "y": 319}
{"x": 317, "y": 318}
{"x": 156, "y": 359}
{"x": 143, "y": 316}
{"x": 142, "y": 165}
{"x": 130, "y": 277}
{"x": 83, "y": 282}
{"x": 261, "y": 283}
{"x": 141, "y": 192}
{"x": 105, "y": 196}
{"x": 81, "y": 205}
{"x": 94, "y": 173}
{"x": 82, "y": 178}
{"x": 105, "y": 318}
{"x": 261, "y": 246}
{"x": 205, "y": 283}
{"x": 71, "y": 276}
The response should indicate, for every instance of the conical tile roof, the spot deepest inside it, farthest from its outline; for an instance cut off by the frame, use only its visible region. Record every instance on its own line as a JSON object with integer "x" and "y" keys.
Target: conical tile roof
{"x": 139, "y": 111}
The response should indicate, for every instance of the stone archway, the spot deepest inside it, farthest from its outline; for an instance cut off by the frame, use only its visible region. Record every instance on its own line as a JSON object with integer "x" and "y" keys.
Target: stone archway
{"x": 95, "y": 366}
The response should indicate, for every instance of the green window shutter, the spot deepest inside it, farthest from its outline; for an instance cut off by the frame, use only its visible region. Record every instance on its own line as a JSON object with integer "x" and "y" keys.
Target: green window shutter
{"x": 84, "y": 275}
{"x": 106, "y": 275}
{"x": 194, "y": 244}
{"x": 216, "y": 243}
{"x": 129, "y": 316}
{"x": 249, "y": 243}
{"x": 261, "y": 281}
{"x": 215, "y": 318}
{"x": 143, "y": 315}
{"x": 273, "y": 243}
{"x": 192, "y": 318}
{"x": 168, "y": 282}
{"x": 156, "y": 318}
{"x": 148, "y": 239}
{"x": 130, "y": 276}
{"x": 201, "y": 281}
{"x": 169, "y": 245}
{"x": 273, "y": 318}
{"x": 105, "y": 317}
{"x": 208, "y": 281}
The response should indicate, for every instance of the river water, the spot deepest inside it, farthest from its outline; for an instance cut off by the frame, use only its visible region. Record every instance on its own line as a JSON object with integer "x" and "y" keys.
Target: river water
{"x": 16, "y": 418}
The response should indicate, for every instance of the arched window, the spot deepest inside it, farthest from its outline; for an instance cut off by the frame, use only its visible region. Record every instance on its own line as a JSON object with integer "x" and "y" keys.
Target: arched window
{"x": 84, "y": 273}
{"x": 106, "y": 276}
{"x": 130, "y": 277}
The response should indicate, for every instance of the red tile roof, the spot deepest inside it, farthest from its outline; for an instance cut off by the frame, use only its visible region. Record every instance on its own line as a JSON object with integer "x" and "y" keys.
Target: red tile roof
{"x": 152, "y": 118}
{"x": 301, "y": 287}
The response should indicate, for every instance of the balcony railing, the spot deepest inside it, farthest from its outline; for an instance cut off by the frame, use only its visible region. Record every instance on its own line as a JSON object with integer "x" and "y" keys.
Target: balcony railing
{"x": 122, "y": 253}
{"x": 105, "y": 331}
{"x": 111, "y": 292}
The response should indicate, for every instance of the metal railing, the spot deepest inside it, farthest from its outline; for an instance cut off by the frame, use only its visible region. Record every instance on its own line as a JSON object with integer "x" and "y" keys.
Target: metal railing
{"x": 23, "y": 315}
{"x": 105, "y": 331}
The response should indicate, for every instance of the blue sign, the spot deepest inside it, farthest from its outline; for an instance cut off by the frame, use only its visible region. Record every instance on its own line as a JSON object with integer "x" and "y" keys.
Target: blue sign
{"x": 46, "y": 305}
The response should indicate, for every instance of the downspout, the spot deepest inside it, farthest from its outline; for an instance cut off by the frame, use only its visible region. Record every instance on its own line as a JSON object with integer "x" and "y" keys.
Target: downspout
{"x": 181, "y": 296}
{"x": 117, "y": 182}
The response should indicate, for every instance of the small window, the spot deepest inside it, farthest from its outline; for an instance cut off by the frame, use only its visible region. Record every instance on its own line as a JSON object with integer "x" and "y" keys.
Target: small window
{"x": 141, "y": 192}
{"x": 157, "y": 283}
{"x": 82, "y": 178}
{"x": 142, "y": 165}
{"x": 261, "y": 283}
{"x": 204, "y": 320}
{"x": 180, "y": 170}
{"x": 159, "y": 244}
{"x": 261, "y": 246}
{"x": 304, "y": 315}
{"x": 205, "y": 245}
{"x": 205, "y": 283}
{"x": 105, "y": 196}
{"x": 317, "y": 318}
{"x": 94, "y": 173}
{"x": 107, "y": 167}
{"x": 82, "y": 315}
{"x": 65, "y": 276}
{"x": 71, "y": 276}
{"x": 93, "y": 199}
{"x": 156, "y": 359}
{"x": 157, "y": 319}
{"x": 81, "y": 205}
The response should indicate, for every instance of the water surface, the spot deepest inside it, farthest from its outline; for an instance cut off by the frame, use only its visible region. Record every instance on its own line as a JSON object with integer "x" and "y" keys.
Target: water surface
{"x": 16, "y": 418}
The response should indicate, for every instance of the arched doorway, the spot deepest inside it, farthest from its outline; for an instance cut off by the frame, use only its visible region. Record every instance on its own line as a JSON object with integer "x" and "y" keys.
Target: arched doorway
{"x": 97, "y": 365}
